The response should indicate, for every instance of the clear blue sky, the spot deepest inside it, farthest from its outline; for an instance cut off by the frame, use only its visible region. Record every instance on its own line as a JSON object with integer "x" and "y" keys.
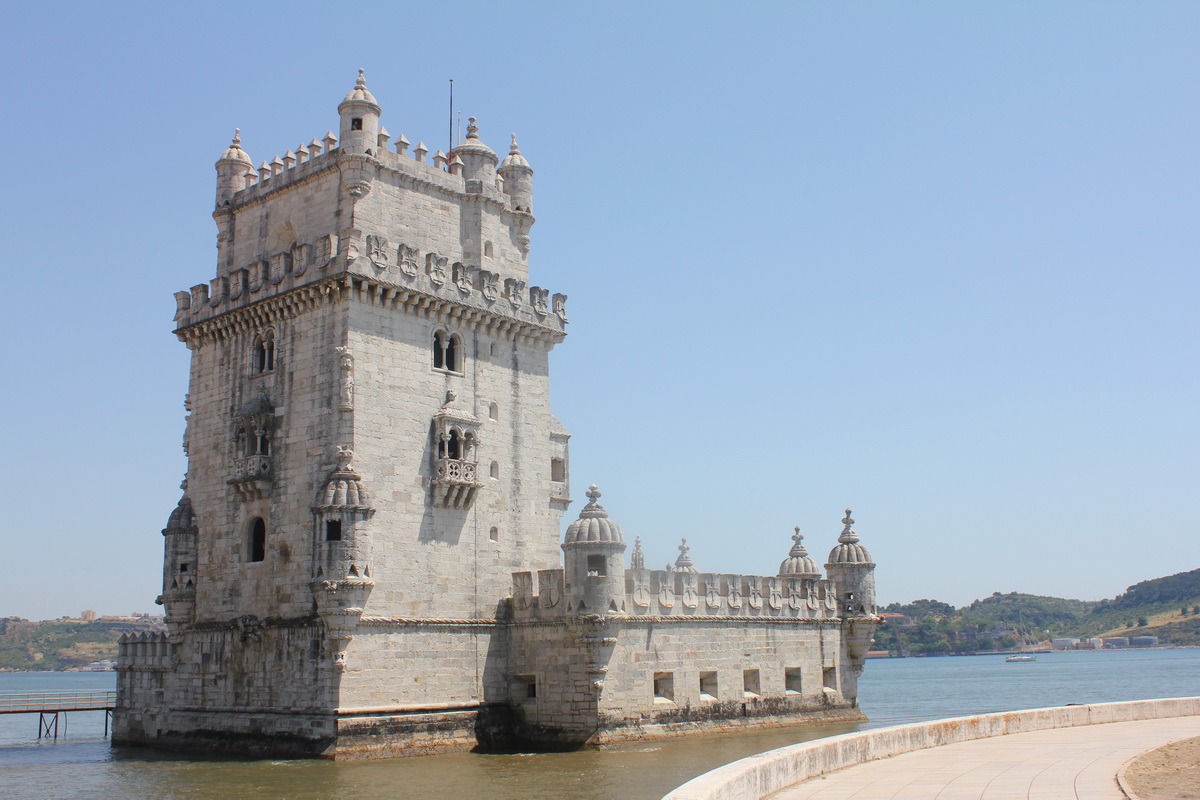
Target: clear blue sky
{"x": 933, "y": 260}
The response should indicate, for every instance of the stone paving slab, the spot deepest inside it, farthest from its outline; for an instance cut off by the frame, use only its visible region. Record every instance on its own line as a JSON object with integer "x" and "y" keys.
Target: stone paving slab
{"x": 1080, "y": 762}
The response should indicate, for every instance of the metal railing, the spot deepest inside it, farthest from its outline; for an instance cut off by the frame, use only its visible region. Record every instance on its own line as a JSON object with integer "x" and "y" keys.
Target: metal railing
{"x": 57, "y": 701}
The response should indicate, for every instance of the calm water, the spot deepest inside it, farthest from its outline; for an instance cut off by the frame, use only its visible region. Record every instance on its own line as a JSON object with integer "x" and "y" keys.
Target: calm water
{"x": 893, "y": 691}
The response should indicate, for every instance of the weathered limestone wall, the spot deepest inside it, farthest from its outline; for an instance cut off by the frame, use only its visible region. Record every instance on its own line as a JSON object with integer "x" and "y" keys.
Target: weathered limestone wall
{"x": 431, "y": 561}
{"x": 303, "y": 389}
{"x": 766, "y": 773}
{"x": 229, "y": 687}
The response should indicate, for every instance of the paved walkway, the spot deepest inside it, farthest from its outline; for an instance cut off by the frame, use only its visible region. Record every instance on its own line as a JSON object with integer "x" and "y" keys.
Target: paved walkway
{"x": 1056, "y": 764}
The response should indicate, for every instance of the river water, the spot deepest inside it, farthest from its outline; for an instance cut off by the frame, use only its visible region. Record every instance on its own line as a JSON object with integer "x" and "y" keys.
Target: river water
{"x": 81, "y": 764}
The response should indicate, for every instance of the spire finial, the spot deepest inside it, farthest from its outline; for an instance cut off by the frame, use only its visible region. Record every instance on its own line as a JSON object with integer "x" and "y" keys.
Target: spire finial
{"x": 798, "y": 550}
{"x": 848, "y": 535}
{"x": 593, "y": 493}
{"x": 637, "y": 559}
{"x": 237, "y": 137}
{"x": 472, "y": 128}
{"x": 684, "y": 562}
{"x": 593, "y": 509}
{"x": 514, "y": 147}
{"x": 361, "y": 83}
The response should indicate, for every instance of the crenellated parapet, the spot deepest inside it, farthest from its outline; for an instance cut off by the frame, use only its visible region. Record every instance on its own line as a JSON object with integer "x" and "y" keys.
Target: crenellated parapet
{"x": 150, "y": 651}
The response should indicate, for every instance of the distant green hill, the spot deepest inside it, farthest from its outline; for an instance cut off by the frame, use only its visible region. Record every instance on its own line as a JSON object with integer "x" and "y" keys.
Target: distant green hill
{"x": 61, "y": 644}
{"x": 1166, "y": 607}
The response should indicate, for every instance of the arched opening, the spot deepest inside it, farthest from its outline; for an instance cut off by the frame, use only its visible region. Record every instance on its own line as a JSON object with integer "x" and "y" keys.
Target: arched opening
{"x": 494, "y": 411}
{"x": 439, "y": 350}
{"x": 452, "y": 446}
{"x": 262, "y": 444}
{"x": 494, "y": 534}
{"x": 258, "y": 540}
{"x": 495, "y": 470}
{"x": 487, "y": 249}
{"x": 453, "y": 347}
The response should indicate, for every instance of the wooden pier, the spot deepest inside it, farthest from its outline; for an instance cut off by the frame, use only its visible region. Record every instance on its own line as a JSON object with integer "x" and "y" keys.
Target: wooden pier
{"x": 49, "y": 705}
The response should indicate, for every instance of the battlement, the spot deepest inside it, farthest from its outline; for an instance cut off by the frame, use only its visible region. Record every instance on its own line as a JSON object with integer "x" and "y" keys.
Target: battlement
{"x": 144, "y": 651}
{"x": 686, "y": 594}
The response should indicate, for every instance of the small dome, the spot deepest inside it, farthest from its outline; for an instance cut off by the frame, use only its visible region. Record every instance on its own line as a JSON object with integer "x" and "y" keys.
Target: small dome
{"x": 684, "y": 562}
{"x": 798, "y": 564}
{"x": 360, "y": 93}
{"x": 514, "y": 157}
{"x": 235, "y": 152}
{"x": 593, "y": 524}
{"x": 849, "y": 551}
{"x": 473, "y": 146}
{"x": 183, "y": 517}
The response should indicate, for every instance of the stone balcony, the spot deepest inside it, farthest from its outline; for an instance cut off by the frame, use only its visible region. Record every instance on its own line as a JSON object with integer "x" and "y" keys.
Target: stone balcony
{"x": 455, "y": 482}
{"x": 252, "y": 477}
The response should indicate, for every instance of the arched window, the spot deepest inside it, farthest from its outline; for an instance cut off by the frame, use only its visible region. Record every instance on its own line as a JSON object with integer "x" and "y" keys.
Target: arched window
{"x": 447, "y": 351}
{"x": 439, "y": 350}
{"x": 258, "y": 540}
{"x": 493, "y": 411}
{"x": 454, "y": 445}
{"x": 262, "y": 444}
{"x": 495, "y": 469}
{"x": 487, "y": 249}
{"x": 264, "y": 353}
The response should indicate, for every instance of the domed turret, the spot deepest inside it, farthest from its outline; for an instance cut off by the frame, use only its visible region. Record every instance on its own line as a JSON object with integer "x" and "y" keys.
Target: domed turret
{"x": 479, "y": 161}
{"x": 518, "y": 178}
{"x": 849, "y": 551}
{"x": 232, "y": 167}
{"x": 798, "y": 564}
{"x": 852, "y": 572}
{"x": 359, "y": 132}
{"x": 594, "y": 556}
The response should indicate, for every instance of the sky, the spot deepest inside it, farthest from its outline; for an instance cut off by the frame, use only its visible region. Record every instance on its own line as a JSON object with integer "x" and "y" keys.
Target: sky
{"x": 934, "y": 261}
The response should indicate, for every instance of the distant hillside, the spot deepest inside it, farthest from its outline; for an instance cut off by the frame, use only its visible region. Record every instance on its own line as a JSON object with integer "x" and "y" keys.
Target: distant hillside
{"x": 1165, "y": 607}
{"x": 61, "y": 644}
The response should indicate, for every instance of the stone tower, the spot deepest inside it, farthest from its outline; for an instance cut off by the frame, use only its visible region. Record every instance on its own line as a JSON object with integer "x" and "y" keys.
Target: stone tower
{"x": 371, "y": 452}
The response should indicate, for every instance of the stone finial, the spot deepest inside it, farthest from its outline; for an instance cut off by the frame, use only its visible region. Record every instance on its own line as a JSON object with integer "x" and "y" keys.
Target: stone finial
{"x": 383, "y": 137}
{"x": 439, "y": 159}
{"x": 514, "y": 148}
{"x": 451, "y": 397}
{"x": 264, "y": 172}
{"x": 301, "y": 153}
{"x": 419, "y": 152}
{"x": 637, "y": 559}
{"x": 472, "y": 128}
{"x": 315, "y": 147}
{"x": 361, "y": 83}
{"x": 289, "y": 160}
{"x": 456, "y": 165}
{"x": 848, "y": 535}
{"x": 684, "y": 562}
{"x": 276, "y": 166}
{"x": 593, "y": 509}
{"x": 251, "y": 178}
{"x": 402, "y": 144}
{"x": 344, "y": 458}
{"x": 797, "y": 550}
{"x": 329, "y": 141}
{"x": 237, "y": 138}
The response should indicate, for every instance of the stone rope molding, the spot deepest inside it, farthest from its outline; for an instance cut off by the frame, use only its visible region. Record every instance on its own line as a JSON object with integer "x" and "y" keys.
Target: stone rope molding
{"x": 758, "y": 776}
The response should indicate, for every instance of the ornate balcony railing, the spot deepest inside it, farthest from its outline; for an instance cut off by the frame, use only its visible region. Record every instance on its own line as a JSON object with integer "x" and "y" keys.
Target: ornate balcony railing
{"x": 455, "y": 482}
{"x": 252, "y": 476}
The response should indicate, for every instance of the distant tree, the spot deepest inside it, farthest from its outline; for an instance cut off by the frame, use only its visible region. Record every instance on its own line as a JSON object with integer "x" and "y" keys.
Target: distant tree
{"x": 1143, "y": 622}
{"x": 1183, "y": 611}
{"x": 1128, "y": 624}
{"x": 1196, "y": 609}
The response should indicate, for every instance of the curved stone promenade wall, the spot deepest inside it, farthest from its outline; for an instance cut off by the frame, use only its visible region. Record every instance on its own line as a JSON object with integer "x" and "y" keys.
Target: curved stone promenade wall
{"x": 757, "y": 776}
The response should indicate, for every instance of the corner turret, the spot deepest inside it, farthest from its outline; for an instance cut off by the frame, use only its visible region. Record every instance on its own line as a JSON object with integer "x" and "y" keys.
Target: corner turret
{"x": 518, "y": 178}
{"x": 232, "y": 167}
{"x": 853, "y": 573}
{"x": 359, "y": 131}
{"x": 594, "y": 556}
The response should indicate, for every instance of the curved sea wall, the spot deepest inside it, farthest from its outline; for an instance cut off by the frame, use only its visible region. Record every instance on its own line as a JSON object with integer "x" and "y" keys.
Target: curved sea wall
{"x": 756, "y": 777}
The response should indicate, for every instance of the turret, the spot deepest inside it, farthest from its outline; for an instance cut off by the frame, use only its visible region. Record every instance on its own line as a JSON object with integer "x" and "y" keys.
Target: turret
{"x": 179, "y": 567}
{"x": 518, "y": 178}
{"x": 852, "y": 573}
{"x": 231, "y": 169}
{"x": 359, "y": 132}
{"x": 478, "y": 160}
{"x": 594, "y": 556}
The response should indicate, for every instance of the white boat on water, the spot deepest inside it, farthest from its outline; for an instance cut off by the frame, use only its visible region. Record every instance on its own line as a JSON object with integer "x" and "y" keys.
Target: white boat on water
{"x": 1020, "y": 657}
